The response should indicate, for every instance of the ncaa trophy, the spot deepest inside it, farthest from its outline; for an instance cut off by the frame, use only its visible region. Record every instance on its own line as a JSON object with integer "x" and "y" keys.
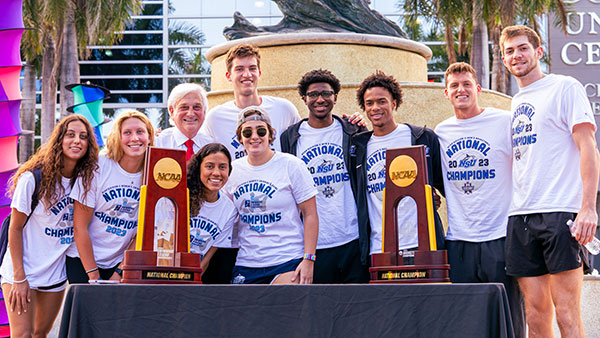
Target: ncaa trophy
{"x": 156, "y": 260}
{"x": 406, "y": 176}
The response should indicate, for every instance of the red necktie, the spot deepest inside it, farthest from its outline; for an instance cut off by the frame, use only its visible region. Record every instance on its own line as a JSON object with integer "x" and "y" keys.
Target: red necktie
{"x": 190, "y": 149}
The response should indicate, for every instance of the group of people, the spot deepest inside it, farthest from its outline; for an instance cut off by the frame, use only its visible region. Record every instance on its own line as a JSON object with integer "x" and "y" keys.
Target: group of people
{"x": 279, "y": 199}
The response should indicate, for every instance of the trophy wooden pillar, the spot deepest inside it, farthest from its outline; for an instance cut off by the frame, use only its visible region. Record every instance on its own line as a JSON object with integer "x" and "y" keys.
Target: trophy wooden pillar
{"x": 406, "y": 176}
{"x": 164, "y": 176}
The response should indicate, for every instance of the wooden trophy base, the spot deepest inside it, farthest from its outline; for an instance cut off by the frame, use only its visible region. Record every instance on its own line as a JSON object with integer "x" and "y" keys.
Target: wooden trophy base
{"x": 428, "y": 267}
{"x": 139, "y": 267}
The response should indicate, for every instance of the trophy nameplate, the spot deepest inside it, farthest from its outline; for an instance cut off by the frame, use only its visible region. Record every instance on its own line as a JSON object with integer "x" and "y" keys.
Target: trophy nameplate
{"x": 406, "y": 176}
{"x": 164, "y": 177}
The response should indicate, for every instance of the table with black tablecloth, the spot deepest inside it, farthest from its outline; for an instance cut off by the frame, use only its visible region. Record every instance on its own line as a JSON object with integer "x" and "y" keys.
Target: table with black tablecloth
{"x": 433, "y": 310}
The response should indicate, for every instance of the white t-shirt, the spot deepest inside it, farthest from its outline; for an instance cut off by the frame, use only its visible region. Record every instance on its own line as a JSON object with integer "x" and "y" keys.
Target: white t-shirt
{"x": 173, "y": 138}
{"x": 546, "y": 162}
{"x": 221, "y": 122}
{"x": 322, "y": 152}
{"x": 212, "y": 226}
{"x": 267, "y": 197}
{"x": 476, "y": 155}
{"x": 115, "y": 198}
{"x": 46, "y": 236}
{"x": 407, "y": 209}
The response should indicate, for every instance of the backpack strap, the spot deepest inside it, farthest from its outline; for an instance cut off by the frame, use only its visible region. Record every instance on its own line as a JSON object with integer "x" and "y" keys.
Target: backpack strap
{"x": 37, "y": 175}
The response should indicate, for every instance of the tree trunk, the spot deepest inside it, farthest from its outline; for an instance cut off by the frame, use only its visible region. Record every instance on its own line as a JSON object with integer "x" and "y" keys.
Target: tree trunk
{"x": 450, "y": 44}
{"x": 48, "y": 89}
{"x": 507, "y": 80}
{"x": 69, "y": 70}
{"x": 480, "y": 55}
{"x": 26, "y": 141}
{"x": 498, "y": 78}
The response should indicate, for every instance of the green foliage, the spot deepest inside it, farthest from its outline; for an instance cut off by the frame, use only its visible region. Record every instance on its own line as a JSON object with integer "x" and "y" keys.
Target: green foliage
{"x": 99, "y": 21}
{"x": 186, "y": 60}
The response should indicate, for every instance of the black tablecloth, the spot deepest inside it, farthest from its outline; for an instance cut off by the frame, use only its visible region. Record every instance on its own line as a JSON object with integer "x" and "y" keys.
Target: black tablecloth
{"x": 435, "y": 310}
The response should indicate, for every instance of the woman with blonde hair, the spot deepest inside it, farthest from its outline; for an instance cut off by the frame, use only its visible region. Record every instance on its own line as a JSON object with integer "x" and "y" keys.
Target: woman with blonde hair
{"x": 105, "y": 217}
{"x": 33, "y": 269}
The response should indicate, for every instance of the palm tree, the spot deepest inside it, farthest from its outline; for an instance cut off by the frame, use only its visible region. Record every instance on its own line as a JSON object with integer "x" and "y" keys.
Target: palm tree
{"x": 480, "y": 58}
{"x": 88, "y": 22}
{"x": 483, "y": 17}
{"x": 445, "y": 14}
{"x": 186, "y": 60}
{"x": 181, "y": 61}
{"x": 66, "y": 28}
{"x": 31, "y": 49}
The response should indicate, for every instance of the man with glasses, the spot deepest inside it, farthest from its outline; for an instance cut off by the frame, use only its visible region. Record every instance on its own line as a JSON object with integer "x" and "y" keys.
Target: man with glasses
{"x": 322, "y": 142}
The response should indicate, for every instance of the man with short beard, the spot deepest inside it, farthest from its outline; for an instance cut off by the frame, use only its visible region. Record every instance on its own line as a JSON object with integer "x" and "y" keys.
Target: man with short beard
{"x": 555, "y": 179}
{"x": 322, "y": 141}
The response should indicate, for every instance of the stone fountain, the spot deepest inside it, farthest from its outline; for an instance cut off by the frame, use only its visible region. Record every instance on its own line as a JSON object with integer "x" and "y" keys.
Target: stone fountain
{"x": 347, "y": 38}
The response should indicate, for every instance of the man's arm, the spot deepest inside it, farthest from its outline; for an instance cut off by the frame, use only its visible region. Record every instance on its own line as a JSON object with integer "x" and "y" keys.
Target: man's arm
{"x": 587, "y": 218}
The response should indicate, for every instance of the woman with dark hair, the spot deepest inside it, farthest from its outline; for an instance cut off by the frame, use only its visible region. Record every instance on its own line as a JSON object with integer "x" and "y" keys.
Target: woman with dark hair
{"x": 271, "y": 191}
{"x": 212, "y": 214}
{"x": 105, "y": 217}
{"x": 33, "y": 269}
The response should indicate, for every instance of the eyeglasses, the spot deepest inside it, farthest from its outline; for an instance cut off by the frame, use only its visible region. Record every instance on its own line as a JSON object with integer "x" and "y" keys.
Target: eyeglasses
{"x": 325, "y": 94}
{"x": 260, "y": 131}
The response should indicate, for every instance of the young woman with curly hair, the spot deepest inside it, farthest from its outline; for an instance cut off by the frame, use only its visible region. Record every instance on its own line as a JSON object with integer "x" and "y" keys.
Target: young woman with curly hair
{"x": 105, "y": 217}
{"x": 211, "y": 214}
{"x": 33, "y": 269}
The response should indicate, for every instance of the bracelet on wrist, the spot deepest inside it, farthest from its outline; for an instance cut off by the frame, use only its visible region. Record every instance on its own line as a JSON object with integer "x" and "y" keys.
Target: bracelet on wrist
{"x": 119, "y": 271}
{"x": 309, "y": 257}
{"x": 20, "y": 281}
{"x": 92, "y": 270}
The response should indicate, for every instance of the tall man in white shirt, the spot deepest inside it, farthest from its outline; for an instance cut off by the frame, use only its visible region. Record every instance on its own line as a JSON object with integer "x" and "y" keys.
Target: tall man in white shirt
{"x": 243, "y": 71}
{"x": 322, "y": 141}
{"x": 187, "y": 106}
{"x": 555, "y": 178}
{"x": 476, "y": 154}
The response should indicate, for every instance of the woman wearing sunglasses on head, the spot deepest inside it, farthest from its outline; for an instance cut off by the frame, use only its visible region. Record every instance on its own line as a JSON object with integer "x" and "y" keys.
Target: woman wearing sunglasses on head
{"x": 33, "y": 269}
{"x": 212, "y": 214}
{"x": 105, "y": 218}
{"x": 271, "y": 191}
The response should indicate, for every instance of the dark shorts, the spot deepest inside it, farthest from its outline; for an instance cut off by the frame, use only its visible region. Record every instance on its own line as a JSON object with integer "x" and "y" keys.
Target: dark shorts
{"x": 246, "y": 275}
{"x": 340, "y": 264}
{"x": 483, "y": 262}
{"x": 76, "y": 273}
{"x": 221, "y": 266}
{"x": 538, "y": 244}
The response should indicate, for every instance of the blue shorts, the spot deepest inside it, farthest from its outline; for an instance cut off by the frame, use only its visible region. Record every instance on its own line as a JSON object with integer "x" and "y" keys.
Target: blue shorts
{"x": 246, "y": 275}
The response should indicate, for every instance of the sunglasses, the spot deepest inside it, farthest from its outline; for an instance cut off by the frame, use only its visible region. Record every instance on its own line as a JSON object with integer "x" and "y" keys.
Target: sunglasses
{"x": 325, "y": 94}
{"x": 260, "y": 131}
